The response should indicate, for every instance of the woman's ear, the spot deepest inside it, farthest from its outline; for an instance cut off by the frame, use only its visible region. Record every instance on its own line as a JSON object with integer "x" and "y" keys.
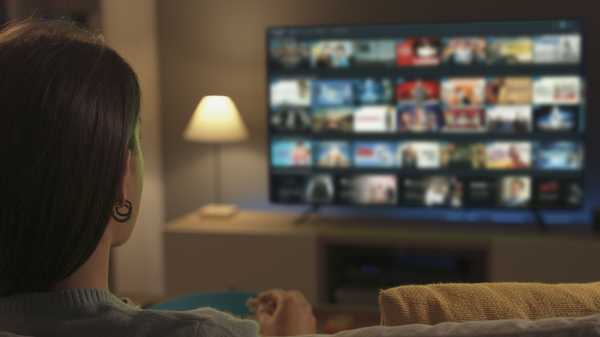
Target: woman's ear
{"x": 127, "y": 176}
{"x": 122, "y": 217}
{"x": 125, "y": 212}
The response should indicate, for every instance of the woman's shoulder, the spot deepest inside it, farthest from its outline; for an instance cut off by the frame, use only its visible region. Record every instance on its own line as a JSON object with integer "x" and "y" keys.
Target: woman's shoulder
{"x": 99, "y": 313}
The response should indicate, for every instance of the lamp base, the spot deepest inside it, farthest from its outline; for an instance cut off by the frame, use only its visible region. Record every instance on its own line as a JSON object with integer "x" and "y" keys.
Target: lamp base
{"x": 219, "y": 210}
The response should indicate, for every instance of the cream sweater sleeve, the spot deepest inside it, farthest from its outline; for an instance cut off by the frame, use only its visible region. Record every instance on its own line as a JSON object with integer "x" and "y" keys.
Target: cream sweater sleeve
{"x": 224, "y": 324}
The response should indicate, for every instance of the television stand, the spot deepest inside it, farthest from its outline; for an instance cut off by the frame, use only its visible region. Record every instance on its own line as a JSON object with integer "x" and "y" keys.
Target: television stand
{"x": 257, "y": 250}
{"x": 306, "y": 216}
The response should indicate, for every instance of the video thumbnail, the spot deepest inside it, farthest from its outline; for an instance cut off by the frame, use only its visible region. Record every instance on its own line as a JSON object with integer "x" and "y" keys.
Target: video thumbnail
{"x": 289, "y": 188}
{"x": 289, "y": 54}
{"x": 483, "y": 192}
{"x": 332, "y": 54}
{"x": 421, "y": 155}
{"x": 418, "y": 92}
{"x": 333, "y": 154}
{"x": 565, "y": 90}
{"x": 562, "y": 155}
{"x": 509, "y": 118}
{"x": 516, "y": 191}
{"x": 510, "y": 50}
{"x": 320, "y": 189}
{"x": 421, "y": 51}
{"x": 509, "y": 90}
{"x": 557, "y": 49}
{"x": 368, "y": 189}
{"x": 548, "y": 192}
{"x": 419, "y": 118}
{"x": 462, "y": 155}
{"x": 333, "y": 120}
{"x": 373, "y": 154}
{"x": 435, "y": 191}
{"x": 374, "y": 52}
{"x": 464, "y": 120}
{"x": 371, "y": 91}
{"x": 375, "y": 118}
{"x": 291, "y": 152}
{"x": 508, "y": 155}
{"x": 297, "y": 188}
{"x": 558, "y": 193}
{"x": 463, "y": 92}
{"x": 332, "y": 93}
{"x": 290, "y": 93}
{"x": 291, "y": 119}
{"x": 556, "y": 118}
{"x": 464, "y": 51}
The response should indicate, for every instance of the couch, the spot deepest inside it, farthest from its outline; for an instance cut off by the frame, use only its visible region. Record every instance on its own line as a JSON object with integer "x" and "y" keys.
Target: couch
{"x": 488, "y": 310}
{"x": 484, "y": 310}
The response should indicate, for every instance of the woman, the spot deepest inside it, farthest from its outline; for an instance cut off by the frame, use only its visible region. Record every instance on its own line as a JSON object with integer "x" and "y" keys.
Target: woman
{"x": 72, "y": 178}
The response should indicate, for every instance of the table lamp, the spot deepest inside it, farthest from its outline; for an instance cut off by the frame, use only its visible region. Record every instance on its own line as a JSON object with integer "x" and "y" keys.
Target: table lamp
{"x": 216, "y": 120}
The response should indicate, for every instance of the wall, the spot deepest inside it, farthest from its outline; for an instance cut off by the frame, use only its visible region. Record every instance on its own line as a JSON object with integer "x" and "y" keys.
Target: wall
{"x": 215, "y": 46}
{"x": 130, "y": 28}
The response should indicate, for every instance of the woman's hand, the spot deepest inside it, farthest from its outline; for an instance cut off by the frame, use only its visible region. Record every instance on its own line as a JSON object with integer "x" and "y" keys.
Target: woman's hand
{"x": 284, "y": 313}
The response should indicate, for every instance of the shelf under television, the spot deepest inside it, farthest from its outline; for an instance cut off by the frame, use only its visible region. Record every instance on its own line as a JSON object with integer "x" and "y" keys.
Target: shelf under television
{"x": 435, "y": 72}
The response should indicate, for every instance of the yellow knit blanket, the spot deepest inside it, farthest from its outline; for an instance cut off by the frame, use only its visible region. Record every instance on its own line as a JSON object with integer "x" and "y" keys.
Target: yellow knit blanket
{"x": 487, "y": 301}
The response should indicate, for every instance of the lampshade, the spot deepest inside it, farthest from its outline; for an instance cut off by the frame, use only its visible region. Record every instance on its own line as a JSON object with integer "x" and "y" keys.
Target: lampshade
{"x": 216, "y": 120}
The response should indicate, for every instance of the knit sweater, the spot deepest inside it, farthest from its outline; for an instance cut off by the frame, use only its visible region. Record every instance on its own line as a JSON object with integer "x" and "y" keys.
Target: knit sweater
{"x": 98, "y": 313}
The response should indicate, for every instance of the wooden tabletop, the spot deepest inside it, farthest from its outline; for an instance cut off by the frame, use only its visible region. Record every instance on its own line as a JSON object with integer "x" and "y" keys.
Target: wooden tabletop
{"x": 249, "y": 222}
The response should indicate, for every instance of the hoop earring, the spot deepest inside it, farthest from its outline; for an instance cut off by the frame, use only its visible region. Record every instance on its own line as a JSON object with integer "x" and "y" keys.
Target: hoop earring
{"x": 122, "y": 212}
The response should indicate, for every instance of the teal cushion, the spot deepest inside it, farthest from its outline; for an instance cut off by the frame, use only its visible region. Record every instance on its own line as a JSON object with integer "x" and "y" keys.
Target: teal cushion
{"x": 231, "y": 302}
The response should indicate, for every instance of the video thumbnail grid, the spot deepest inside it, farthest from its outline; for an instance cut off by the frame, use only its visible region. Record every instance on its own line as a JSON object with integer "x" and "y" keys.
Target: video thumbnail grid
{"x": 505, "y": 191}
{"x": 502, "y": 105}
{"x": 466, "y": 121}
{"x": 292, "y": 53}
{"x": 444, "y": 156}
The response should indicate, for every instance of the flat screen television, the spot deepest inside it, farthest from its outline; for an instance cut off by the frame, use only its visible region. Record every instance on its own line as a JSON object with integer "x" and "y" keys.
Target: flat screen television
{"x": 456, "y": 116}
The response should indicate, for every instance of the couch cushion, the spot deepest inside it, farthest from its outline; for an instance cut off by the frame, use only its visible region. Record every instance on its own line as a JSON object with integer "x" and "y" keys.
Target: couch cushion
{"x": 487, "y": 301}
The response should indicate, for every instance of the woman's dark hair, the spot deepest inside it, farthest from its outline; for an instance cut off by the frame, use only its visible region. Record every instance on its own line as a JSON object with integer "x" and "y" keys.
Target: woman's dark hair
{"x": 68, "y": 109}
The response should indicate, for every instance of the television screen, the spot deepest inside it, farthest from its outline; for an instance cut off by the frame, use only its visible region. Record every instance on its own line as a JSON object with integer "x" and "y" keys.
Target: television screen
{"x": 458, "y": 116}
